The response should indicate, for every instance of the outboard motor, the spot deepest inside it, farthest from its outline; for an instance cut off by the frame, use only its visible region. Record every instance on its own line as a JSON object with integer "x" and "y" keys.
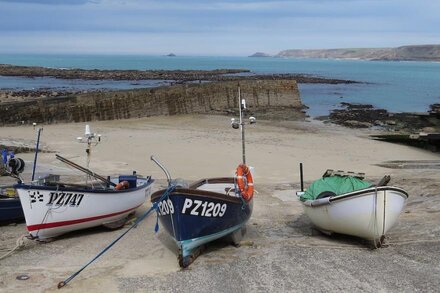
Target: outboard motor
{"x": 16, "y": 165}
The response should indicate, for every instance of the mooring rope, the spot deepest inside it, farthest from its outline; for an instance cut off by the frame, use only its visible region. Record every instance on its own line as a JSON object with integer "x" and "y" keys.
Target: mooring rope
{"x": 18, "y": 244}
{"x": 140, "y": 219}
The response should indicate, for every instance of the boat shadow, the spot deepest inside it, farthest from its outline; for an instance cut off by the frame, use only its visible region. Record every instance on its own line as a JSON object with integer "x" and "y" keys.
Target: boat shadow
{"x": 84, "y": 233}
{"x": 303, "y": 227}
{"x": 11, "y": 222}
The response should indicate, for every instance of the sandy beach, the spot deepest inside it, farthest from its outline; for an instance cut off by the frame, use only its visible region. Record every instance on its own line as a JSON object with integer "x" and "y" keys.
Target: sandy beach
{"x": 281, "y": 252}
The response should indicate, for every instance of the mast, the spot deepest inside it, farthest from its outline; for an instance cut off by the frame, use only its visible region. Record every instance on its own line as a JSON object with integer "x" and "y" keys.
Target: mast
{"x": 243, "y": 141}
{"x": 90, "y": 138}
{"x": 241, "y": 123}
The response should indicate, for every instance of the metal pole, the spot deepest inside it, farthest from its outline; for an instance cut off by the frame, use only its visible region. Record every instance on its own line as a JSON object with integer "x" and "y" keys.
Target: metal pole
{"x": 163, "y": 169}
{"x": 82, "y": 169}
{"x": 36, "y": 153}
{"x": 88, "y": 151}
{"x": 240, "y": 105}
{"x": 301, "y": 176}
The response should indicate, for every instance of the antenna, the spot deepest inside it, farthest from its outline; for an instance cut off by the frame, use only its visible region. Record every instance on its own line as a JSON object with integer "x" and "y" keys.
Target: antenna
{"x": 91, "y": 139}
{"x": 36, "y": 149}
{"x": 241, "y": 123}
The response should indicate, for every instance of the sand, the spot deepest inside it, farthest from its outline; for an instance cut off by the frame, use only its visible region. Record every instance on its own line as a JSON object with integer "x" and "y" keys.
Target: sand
{"x": 281, "y": 251}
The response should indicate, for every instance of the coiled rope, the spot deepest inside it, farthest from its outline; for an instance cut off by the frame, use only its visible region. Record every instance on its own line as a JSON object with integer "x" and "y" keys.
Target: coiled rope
{"x": 140, "y": 219}
{"x": 18, "y": 244}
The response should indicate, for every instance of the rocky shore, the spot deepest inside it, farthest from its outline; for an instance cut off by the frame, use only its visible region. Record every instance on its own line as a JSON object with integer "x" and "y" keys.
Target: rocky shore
{"x": 414, "y": 129}
{"x": 366, "y": 116}
{"x": 35, "y": 71}
{"x": 178, "y": 76}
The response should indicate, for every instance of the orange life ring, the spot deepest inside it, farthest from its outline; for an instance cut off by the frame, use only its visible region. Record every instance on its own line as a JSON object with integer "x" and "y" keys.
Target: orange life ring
{"x": 246, "y": 186}
{"x": 122, "y": 185}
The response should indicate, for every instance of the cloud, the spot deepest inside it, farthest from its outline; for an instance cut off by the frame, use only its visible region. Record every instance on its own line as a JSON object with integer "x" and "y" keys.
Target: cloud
{"x": 52, "y": 2}
{"x": 215, "y": 27}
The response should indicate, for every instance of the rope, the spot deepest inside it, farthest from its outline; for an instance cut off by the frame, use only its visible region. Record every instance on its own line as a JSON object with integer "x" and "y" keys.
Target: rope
{"x": 51, "y": 208}
{"x": 18, "y": 244}
{"x": 140, "y": 219}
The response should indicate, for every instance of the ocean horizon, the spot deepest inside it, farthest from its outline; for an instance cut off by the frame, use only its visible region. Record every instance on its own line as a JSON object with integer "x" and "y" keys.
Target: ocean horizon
{"x": 397, "y": 86}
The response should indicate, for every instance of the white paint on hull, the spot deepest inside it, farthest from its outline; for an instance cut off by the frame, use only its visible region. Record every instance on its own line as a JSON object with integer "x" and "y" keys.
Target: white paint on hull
{"x": 368, "y": 215}
{"x": 47, "y": 220}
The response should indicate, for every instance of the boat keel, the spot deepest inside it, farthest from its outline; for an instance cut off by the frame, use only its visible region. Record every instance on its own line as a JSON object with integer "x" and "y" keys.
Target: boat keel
{"x": 185, "y": 261}
{"x": 236, "y": 237}
{"x": 378, "y": 243}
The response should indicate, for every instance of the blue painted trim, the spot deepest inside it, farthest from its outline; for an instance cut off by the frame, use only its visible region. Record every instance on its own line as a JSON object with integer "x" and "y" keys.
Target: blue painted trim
{"x": 187, "y": 246}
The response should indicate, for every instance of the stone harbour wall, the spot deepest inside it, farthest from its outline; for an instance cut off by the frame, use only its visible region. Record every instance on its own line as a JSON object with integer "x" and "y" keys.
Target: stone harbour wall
{"x": 204, "y": 98}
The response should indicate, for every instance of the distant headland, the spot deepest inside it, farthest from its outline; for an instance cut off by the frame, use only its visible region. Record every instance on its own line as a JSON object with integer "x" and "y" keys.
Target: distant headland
{"x": 404, "y": 53}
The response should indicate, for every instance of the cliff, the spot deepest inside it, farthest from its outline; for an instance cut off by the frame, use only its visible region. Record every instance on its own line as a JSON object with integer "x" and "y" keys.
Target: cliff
{"x": 404, "y": 53}
{"x": 214, "y": 97}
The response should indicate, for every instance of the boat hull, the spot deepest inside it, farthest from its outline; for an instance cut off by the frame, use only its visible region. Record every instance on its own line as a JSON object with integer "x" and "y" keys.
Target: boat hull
{"x": 195, "y": 217}
{"x": 52, "y": 211}
{"x": 10, "y": 210}
{"x": 368, "y": 213}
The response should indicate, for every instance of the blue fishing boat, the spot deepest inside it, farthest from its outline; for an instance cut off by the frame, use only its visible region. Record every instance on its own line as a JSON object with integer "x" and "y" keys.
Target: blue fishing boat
{"x": 207, "y": 210}
{"x": 10, "y": 207}
{"x": 10, "y": 210}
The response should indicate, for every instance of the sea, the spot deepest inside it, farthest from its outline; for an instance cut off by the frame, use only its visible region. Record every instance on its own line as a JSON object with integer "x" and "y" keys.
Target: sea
{"x": 396, "y": 86}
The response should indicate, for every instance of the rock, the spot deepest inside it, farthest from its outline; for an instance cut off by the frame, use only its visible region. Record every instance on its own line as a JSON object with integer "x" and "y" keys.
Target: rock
{"x": 34, "y": 71}
{"x": 429, "y": 130}
{"x": 357, "y": 124}
{"x": 260, "y": 54}
{"x": 182, "y": 76}
{"x": 378, "y": 123}
{"x": 357, "y": 116}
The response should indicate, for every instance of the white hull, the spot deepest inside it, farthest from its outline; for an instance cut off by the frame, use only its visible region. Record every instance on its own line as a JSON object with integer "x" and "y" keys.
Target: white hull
{"x": 368, "y": 213}
{"x": 51, "y": 212}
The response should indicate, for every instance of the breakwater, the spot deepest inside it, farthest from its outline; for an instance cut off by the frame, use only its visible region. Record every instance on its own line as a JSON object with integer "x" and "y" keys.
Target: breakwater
{"x": 203, "y": 98}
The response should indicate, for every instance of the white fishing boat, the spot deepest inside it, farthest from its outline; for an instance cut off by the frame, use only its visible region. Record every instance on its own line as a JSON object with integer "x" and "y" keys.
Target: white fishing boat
{"x": 52, "y": 208}
{"x": 55, "y": 208}
{"x": 345, "y": 204}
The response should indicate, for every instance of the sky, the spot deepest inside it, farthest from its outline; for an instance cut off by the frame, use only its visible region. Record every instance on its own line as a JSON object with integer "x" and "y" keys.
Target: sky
{"x": 212, "y": 28}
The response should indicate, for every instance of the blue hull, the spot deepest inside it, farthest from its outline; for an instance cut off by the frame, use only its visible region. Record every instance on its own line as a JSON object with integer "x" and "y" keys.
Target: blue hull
{"x": 196, "y": 217}
{"x": 10, "y": 210}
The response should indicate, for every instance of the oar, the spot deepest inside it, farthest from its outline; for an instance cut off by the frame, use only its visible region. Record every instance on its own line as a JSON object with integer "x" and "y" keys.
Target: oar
{"x": 85, "y": 170}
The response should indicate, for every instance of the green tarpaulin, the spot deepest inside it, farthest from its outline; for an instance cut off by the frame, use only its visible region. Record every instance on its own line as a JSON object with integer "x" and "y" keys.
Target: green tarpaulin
{"x": 336, "y": 184}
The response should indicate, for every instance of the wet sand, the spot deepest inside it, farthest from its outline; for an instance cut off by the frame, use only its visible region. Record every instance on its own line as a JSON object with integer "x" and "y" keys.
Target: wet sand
{"x": 281, "y": 251}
